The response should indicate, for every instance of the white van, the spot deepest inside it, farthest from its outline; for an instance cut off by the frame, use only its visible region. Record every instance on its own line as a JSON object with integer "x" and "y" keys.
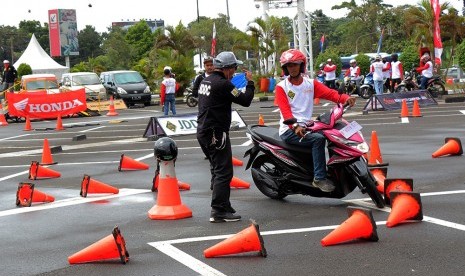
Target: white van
{"x": 88, "y": 80}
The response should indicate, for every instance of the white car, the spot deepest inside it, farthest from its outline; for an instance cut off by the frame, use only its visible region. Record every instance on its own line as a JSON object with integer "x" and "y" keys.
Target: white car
{"x": 87, "y": 80}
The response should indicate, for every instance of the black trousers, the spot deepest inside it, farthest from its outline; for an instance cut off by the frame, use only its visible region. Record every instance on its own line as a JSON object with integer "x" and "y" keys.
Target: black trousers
{"x": 219, "y": 154}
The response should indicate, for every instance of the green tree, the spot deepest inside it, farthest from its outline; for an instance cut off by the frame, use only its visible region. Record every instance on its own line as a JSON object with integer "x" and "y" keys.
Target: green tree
{"x": 24, "y": 69}
{"x": 409, "y": 57}
{"x": 89, "y": 43}
{"x": 119, "y": 52}
{"x": 461, "y": 54}
{"x": 140, "y": 37}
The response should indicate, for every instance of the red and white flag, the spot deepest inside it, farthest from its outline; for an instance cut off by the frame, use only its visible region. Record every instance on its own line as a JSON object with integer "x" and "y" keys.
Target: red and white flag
{"x": 437, "y": 32}
{"x": 213, "y": 52}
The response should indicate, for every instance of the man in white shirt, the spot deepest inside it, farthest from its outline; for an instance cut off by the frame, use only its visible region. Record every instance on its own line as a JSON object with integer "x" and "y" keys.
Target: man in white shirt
{"x": 377, "y": 69}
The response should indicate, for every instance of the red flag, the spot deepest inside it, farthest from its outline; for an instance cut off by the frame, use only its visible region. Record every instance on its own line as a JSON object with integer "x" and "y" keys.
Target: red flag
{"x": 213, "y": 41}
{"x": 437, "y": 32}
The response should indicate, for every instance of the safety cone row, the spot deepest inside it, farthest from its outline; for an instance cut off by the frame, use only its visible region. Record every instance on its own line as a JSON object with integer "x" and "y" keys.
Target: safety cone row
{"x": 112, "y": 111}
{"x": 359, "y": 225}
{"x": 27, "y": 125}
{"x": 248, "y": 240}
{"x": 452, "y": 146}
{"x": 92, "y": 186}
{"x": 261, "y": 121}
{"x": 237, "y": 162}
{"x": 36, "y": 171}
{"x": 127, "y": 163}
{"x": 379, "y": 173}
{"x": 416, "y": 109}
{"x": 3, "y": 121}
{"x": 27, "y": 194}
{"x": 375, "y": 158}
{"x": 405, "y": 206}
{"x": 59, "y": 124}
{"x": 47, "y": 158}
{"x": 112, "y": 246}
{"x": 238, "y": 183}
{"x": 396, "y": 184}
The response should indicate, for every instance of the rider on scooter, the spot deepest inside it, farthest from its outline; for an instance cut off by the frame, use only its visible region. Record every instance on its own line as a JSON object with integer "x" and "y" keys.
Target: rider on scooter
{"x": 294, "y": 96}
{"x": 425, "y": 69}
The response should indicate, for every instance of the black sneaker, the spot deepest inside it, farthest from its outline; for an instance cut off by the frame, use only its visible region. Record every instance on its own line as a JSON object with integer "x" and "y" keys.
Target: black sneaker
{"x": 224, "y": 217}
{"x": 324, "y": 185}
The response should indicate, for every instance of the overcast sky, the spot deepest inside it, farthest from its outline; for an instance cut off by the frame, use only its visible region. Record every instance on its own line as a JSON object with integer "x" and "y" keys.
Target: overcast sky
{"x": 103, "y": 12}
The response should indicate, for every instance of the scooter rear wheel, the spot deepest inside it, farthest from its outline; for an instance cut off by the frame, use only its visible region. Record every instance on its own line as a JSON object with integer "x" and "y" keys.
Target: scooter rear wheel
{"x": 265, "y": 170}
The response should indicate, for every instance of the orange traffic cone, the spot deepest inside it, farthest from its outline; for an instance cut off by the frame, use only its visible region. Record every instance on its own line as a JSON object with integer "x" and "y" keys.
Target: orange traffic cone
{"x": 239, "y": 183}
{"x": 261, "y": 121}
{"x": 26, "y": 194}
{"x": 396, "y": 184}
{"x": 359, "y": 225}
{"x": 59, "y": 124}
{"x": 375, "y": 158}
{"x": 380, "y": 175}
{"x": 181, "y": 185}
{"x": 47, "y": 158}
{"x": 316, "y": 101}
{"x": 237, "y": 162}
{"x": 405, "y": 206}
{"x": 27, "y": 126}
{"x": 404, "y": 111}
{"x": 112, "y": 111}
{"x": 36, "y": 171}
{"x": 3, "y": 121}
{"x": 127, "y": 163}
{"x": 452, "y": 146}
{"x": 111, "y": 247}
{"x": 91, "y": 186}
{"x": 247, "y": 240}
{"x": 416, "y": 109}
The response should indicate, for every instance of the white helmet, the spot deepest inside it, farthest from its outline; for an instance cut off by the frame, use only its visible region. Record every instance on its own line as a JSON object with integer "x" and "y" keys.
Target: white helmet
{"x": 353, "y": 61}
{"x": 6, "y": 61}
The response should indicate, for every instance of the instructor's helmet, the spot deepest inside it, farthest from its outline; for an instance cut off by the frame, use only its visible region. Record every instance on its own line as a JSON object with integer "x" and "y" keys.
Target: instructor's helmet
{"x": 293, "y": 56}
{"x": 226, "y": 60}
{"x": 165, "y": 149}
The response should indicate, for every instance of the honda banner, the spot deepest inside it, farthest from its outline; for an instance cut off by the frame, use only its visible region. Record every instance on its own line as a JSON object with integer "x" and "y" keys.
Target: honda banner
{"x": 46, "y": 105}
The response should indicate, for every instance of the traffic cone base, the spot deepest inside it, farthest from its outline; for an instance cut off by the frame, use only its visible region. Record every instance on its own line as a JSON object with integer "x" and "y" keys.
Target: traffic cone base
{"x": 26, "y": 195}
{"x": 452, "y": 146}
{"x": 359, "y": 225}
{"x": 128, "y": 163}
{"x": 47, "y": 158}
{"x": 169, "y": 205}
{"x": 27, "y": 126}
{"x": 239, "y": 183}
{"x": 404, "y": 111}
{"x": 396, "y": 184}
{"x": 247, "y": 240}
{"x": 36, "y": 171}
{"x": 59, "y": 124}
{"x": 92, "y": 186}
{"x": 111, "y": 247}
{"x": 416, "y": 109}
{"x": 237, "y": 162}
{"x": 405, "y": 206}
{"x": 375, "y": 159}
{"x": 379, "y": 173}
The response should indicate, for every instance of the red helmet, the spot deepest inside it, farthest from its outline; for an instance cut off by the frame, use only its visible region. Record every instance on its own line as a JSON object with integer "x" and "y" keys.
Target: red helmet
{"x": 293, "y": 56}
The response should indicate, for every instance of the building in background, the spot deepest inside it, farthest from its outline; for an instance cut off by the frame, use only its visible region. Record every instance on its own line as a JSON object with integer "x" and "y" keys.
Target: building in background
{"x": 153, "y": 24}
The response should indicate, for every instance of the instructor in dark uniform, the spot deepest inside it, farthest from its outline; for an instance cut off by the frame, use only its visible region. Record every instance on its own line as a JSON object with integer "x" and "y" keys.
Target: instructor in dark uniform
{"x": 216, "y": 94}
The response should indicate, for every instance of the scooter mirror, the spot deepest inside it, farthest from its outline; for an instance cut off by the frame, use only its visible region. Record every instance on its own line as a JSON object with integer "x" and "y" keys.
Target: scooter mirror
{"x": 290, "y": 121}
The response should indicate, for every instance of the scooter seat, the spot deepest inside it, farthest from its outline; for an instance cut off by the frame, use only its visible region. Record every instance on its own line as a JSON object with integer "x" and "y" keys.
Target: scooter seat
{"x": 271, "y": 135}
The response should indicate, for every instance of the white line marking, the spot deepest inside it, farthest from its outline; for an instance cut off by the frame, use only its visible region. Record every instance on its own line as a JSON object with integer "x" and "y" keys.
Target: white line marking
{"x": 8, "y": 138}
{"x": 247, "y": 143}
{"x": 404, "y": 120}
{"x": 463, "y": 111}
{"x": 91, "y": 129}
{"x": 71, "y": 201}
{"x": 325, "y": 105}
{"x": 276, "y": 110}
{"x": 13, "y": 175}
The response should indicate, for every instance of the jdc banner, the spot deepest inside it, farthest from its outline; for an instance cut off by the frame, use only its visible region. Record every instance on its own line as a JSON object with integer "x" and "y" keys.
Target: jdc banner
{"x": 46, "y": 105}
{"x": 393, "y": 101}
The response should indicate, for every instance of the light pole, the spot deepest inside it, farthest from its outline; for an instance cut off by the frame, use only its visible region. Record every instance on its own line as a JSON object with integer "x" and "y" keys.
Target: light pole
{"x": 356, "y": 41}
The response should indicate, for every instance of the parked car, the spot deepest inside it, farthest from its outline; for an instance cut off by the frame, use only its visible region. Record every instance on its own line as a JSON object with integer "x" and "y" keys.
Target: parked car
{"x": 128, "y": 86}
{"x": 455, "y": 73}
{"x": 39, "y": 83}
{"x": 87, "y": 80}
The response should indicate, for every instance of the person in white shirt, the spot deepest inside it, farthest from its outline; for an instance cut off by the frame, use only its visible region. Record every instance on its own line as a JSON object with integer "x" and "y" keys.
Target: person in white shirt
{"x": 167, "y": 91}
{"x": 397, "y": 71}
{"x": 377, "y": 69}
{"x": 330, "y": 71}
{"x": 426, "y": 70}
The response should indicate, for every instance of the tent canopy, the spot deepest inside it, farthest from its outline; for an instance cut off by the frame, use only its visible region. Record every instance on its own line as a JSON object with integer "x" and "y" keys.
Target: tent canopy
{"x": 39, "y": 60}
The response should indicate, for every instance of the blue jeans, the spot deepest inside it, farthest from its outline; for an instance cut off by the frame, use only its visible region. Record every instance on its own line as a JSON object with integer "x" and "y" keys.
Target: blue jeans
{"x": 317, "y": 142}
{"x": 423, "y": 82}
{"x": 379, "y": 87}
{"x": 170, "y": 101}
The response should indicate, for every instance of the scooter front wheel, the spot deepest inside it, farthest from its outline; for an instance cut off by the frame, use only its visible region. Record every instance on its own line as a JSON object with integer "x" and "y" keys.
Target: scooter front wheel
{"x": 366, "y": 92}
{"x": 366, "y": 182}
{"x": 263, "y": 172}
{"x": 191, "y": 101}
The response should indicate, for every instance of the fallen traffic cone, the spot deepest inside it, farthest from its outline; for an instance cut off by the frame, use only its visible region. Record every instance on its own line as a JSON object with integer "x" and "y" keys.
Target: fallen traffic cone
{"x": 359, "y": 225}
{"x": 239, "y": 183}
{"x": 247, "y": 240}
{"x": 26, "y": 195}
{"x": 316, "y": 101}
{"x": 396, "y": 184}
{"x": 261, "y": 121}
{"x": 112, "y": 111}
{"x": 91, "y": 186}
{"x": 237, "y": 162}
{"x": 405, "y": 206}
{"x": 3, "y": 121}
{"x": 59, "y": 124}
{"x": 111, "y": 247}
{"x": 416, "y": 109}
{"x": 47, "y": 158}
{"x": 375, "y": 159}
{"x": 452, "y": 146}
{"x": 127, "y": 163}
{"x": 27, "y": 126}
{"x": 404, "y": 111}
{"x": 36, "y": 171}
{"x": 380, "y": 175}
{"x": 169, "y": 205}
{"x": 181, "y": 185}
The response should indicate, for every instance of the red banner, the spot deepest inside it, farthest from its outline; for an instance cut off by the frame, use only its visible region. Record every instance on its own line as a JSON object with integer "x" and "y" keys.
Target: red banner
{"x": 38, "y": 105}
{"x": 437, "y": 31}
{"x": 54, "y": 33}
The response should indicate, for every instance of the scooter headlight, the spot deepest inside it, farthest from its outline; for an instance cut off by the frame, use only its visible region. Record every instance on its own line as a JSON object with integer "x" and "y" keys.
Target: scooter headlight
{"x": 363, "y": 147}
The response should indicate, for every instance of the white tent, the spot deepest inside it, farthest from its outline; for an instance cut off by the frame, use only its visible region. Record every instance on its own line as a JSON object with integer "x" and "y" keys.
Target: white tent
{"x": 39, "y": 60}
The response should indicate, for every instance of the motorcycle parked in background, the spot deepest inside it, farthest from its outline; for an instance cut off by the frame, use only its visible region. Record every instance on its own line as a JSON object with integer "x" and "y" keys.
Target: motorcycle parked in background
{"x": 412, "y": 80}
{"x": 368, "y": 87}
{"x": 189, "y": 99}
{"x": 350, "y": 85}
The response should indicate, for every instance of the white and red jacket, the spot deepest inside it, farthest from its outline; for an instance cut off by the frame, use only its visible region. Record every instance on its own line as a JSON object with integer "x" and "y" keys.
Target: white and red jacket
{"x": 426, "y": 70}
{"x": 397, "y": 71}
{"x": 387, "y": 70}
{"x": 353, "y": 72}
{"x": 296, "y": 101}
{"x": 330, "y": 71}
